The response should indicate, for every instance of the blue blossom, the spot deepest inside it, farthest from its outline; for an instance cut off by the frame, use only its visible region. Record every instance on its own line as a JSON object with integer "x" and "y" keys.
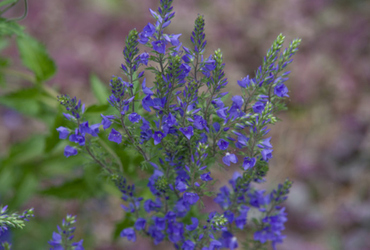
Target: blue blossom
{"x": 191, "y": 198}
{"x": 258, "y": 107}
{"x": 194, "y": 224}
{"x": 229, "y": 240}
{"x": 147, "y": 32}
{"x": 206, "y": 176}
{"x": 187, "y": 131}
{"x": 63, "y": 132}
{"x": 140, "y": 224}
{"x": 134, "y": 117}
{"x": 245, "y": 82}
{"x": 69, "y": 151}
{"x": 160, "y": 223}
{"x": 115, "y": 136}
{"x": 266, "y": 154}
{"x": 249, "y": 163}
{"x": 156, "y": 234}
{"x": 188, "y": 245}
{"x": 281, "y": 90}
{"x": 229, "y": 158}
{"x": 173, "y": 39}
{"x": 159, "y": 46}
{"x": 157, "y": 136}
{"x": 129, "y": 233}
{"x": 222, "y": 144}
{"x": 223, "y": 198}
{"x": 65, "y": 235}
{"x": 106, "y": 122}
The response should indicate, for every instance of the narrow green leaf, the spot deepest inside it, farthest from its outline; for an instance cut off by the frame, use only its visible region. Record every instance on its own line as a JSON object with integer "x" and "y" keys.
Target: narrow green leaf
{"x": 75, "y": 189}
{"x": 10, "y": 28}
{"x": 24, "y": 101}
{"x": 99, "y": 89}
{"x": 35, "y": 57}
{"x": 6, "y": 2}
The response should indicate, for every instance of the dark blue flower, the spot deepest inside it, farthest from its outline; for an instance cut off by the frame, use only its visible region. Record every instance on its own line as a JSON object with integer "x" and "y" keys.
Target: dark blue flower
{"x": 241, "y": 220}
{"x": 223, "y": 198}
{"x": 191, "y": 198}
{"x": 106, "y": 122}
{"x": 229, "y": 158}
{"x": 266, "y": 154}
{"x": 160, "y": 223}
{"x": 140, "y": 224}
{"x": 157, "y": 136}
{"x": 249, "y": 163}
{"x": 147, "y": 32}
{"x": 134, "y": 117}
{"x": 188, "y": 245}
{"x": 129, "y": 233}
{"x": 115, "y": 136}
{"x": 159, "y": 46}
{"x": 181, "y": 186}
{"x": 281, "y": 90}
{"x": 187, "y": 131}
{"x": 222, "y": 144}
{"x": 69, "y": 151}
{"x": 258, "y": 107}
{"x": 194, "y": 224}
{"x": 244, "y": 82}
{"x": 156, "y": 234}
{"x": 63, "y": 132}
{"x": 206, "y": 176}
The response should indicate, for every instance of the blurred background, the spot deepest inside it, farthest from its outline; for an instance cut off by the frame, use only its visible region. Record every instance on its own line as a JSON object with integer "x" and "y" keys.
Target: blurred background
{"x": 322, "y": 142}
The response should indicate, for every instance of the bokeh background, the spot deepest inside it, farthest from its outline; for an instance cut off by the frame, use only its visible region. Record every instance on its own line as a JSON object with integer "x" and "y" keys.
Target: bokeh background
{"x": 322, "y": 142}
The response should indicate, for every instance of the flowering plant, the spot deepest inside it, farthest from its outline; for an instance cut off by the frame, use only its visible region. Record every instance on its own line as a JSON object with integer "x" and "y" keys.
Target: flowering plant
{"x": 180, "y": 126}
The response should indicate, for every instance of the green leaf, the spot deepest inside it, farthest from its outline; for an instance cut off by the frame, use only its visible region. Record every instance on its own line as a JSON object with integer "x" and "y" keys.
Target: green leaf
{"x": 35, "y": 57}
{"x": 24, "y": 101}
{"x": 6, "y": 2}
{"x": 100, "y": 91}
{"x": 10, "y": 28}
{"x": 53, "y": 139}
{"x": 75, "y": 189}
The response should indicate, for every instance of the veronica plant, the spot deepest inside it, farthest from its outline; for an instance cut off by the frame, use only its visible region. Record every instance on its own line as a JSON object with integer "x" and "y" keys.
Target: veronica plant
{"x": 183, "y": 131}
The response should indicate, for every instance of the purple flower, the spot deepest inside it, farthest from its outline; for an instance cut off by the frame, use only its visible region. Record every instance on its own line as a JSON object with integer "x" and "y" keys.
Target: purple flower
{"x": 69, "y": 151}
{"x": 244, "y": 82}
{"x": 188, "y": 245}
{"x": 63, "y": 132}
{"x": 223, "y": 198}
{"x": 160, "y": 223}
{"x": 115, "y": 136}
{"x": 147, "y": 32}
{"x": 159, "y": 46}
{"x": 258, "y": 107}
{"x": 206, "y": 176}
{"x": 281, "y": 90}
{"x": 229, "y": 240}
{"x": 187, "y": 131}
{"x": 156, "y": 234}
{"x": 200, "y": 123}
{"x": 173, "y": 39}
{"x": 106, "y": 122}
{"x": 191, "y": 198}
{"x": 129, "y": 233}
{"x": 194, "y": 224}
{"x": 266, "y": 154}
{"x": 237, "y": 101}
{"x": 222, "y": 144}
{"x": 181, "y": 186}
{"x": 229, "y": 158}
{"x": 157, "y": 136}
{"x": 241, "y": 220}
{"x": 140, "y": 224}
{"x": 266, "y": 143}
{"x": 249, "y": 163}
{"x": 134, "y": 117}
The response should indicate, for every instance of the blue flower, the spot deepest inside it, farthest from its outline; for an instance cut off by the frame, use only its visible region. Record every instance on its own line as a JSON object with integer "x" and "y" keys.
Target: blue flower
{"x": 187, "y": 131}
{"x": 134, "y": 117}
{"x": 222, "y": 144}
{"x": 106, "y": 122}
{"x": 244, "y": 82}
{"x": 223, "y": 198}
{"x": 159, "y": 46}
{"x": 266, "y": 154}
{"x": 281, "y": 90}
{"x": 157, "y": 136}
{"x": 63, "y": 132}
{"x": 249, "y": 163}
{"x": 129, "y": 233}
{"x": 191, "y": 198}
{"x": 258, "y": 107}
{"x": 194, "y": 224}
{"x": 147, "y": 32}
{"x": 69, "y": 151}
{"x": 115, "y": 136}
{"x": 160, "y": 223}
{"x": 140, "y": 224}
{"x": 229, "y": 158}
{"x": 188, "y": 245}
{"x": 206, "y": 176}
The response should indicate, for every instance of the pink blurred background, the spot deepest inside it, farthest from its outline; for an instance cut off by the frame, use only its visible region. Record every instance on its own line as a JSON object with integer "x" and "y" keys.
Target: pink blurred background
{"x": 323, "y": 140}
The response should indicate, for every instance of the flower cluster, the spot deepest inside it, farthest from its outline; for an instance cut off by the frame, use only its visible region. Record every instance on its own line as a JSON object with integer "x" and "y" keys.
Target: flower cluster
{"x": 63, "y": 239}
{"x": 182, "y": 133}
{"x": 13, "y": 220}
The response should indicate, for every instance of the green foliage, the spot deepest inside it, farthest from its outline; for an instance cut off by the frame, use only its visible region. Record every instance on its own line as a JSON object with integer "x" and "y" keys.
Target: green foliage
{"x": 99, "y": 90}
{"x": 35, "y": 58}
